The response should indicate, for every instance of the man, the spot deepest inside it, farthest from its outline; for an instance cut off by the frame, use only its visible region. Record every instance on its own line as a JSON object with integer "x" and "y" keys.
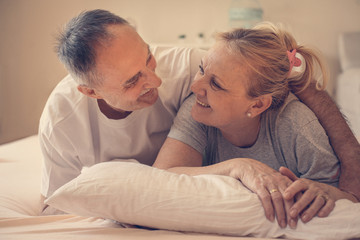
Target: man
{"x": 114, "y": 105}
{"x": 109, "y": 108}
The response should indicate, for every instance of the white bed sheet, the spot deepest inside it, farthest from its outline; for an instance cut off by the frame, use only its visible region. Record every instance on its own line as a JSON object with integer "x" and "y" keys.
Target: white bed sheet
{"x": 20, "y": 167}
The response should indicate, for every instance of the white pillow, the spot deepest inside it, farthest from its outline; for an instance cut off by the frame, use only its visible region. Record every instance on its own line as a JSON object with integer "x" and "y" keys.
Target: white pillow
{"x": 138, "y": 194}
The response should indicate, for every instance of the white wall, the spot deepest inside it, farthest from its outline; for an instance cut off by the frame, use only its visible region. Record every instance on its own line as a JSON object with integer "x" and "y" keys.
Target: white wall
{"x": 29, "y": 68}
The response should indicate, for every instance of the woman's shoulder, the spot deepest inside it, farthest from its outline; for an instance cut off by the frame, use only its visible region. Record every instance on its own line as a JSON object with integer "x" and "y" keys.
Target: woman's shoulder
{"x": 294, "y": 113}
{"x": 290, "y": 123}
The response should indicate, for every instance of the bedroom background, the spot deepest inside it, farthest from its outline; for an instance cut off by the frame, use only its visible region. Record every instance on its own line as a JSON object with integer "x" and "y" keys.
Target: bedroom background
{"x": 29, "y": 68}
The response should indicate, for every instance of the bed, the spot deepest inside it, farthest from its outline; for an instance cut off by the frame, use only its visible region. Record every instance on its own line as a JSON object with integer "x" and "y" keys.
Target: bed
{"x": 20, "y": 209}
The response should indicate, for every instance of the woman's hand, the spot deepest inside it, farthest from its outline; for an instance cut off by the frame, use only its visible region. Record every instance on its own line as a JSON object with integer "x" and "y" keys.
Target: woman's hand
{"x": 269, "y": 185}
{"x": 315, "y": 199}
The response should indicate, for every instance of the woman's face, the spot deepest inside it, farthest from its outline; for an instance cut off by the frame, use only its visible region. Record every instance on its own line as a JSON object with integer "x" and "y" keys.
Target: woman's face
{"x": 220, "y": 89}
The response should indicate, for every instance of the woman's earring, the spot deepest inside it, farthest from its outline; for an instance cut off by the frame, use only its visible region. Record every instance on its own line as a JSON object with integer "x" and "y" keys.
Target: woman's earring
{"x": 248, "y": 114}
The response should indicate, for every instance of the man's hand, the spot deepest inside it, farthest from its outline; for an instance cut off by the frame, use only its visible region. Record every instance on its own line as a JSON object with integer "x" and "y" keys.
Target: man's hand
{"x": 313, "y": 201}
{"x": 269, "y": 185}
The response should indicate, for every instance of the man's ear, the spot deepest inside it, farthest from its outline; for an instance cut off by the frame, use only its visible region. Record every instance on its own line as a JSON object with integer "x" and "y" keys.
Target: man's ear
{"x": 261, "y": 104}
{"x": 90, "y": 92}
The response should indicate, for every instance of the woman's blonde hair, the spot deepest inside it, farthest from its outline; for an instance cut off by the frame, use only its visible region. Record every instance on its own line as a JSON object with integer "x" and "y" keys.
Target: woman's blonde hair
{"x": 263, "y": 49}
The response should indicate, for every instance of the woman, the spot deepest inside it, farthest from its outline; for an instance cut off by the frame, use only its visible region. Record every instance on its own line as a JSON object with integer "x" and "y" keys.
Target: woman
{"x": 248, "y": 126}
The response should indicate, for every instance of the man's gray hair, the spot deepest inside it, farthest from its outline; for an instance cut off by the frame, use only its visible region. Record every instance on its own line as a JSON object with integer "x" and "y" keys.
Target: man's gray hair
{"x": 76, "y": 46}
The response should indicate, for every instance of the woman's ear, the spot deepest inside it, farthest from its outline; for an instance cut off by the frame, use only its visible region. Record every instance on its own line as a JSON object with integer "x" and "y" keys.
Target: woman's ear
{"x": 261, "y": 104}
{"x": 90, "y": 92}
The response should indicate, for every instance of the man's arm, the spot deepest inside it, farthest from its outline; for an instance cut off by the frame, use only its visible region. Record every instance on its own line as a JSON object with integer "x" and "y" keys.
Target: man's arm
{"x": 343, "y": 141}
{"x": 60, "y": 164}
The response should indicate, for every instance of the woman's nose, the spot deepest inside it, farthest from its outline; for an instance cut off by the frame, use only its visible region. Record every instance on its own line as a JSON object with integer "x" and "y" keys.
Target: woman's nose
{"x": 197, "y": 85}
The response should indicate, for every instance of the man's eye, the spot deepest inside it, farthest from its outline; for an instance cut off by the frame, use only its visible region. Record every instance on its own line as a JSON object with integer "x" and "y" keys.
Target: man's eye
{"x": 201, "y": 69}
{"x": 131, "y": 83}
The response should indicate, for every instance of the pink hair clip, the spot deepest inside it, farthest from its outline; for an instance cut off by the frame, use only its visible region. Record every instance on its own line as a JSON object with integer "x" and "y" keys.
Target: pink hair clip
{"x": 294, "y": 60}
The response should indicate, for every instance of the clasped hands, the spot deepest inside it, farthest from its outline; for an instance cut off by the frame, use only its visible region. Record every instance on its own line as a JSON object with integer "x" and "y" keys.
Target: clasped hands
{"x": 282, "y": 193}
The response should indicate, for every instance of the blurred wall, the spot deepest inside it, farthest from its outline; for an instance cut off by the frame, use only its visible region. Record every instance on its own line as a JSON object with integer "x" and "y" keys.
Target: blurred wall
{"x": 29, "y": 68}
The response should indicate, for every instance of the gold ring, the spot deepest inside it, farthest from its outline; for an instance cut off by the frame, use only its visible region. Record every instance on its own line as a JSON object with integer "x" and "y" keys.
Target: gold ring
{"x": 326, "y": 198}
{"x": 273, "y": 190}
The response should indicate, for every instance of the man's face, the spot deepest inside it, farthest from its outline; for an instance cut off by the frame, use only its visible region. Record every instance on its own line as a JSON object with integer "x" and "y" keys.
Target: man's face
{"x": 127, "y": 69}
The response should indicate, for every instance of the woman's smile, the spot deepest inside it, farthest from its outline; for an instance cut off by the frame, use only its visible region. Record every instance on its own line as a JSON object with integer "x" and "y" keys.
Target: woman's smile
{"x": 202, "y": 103}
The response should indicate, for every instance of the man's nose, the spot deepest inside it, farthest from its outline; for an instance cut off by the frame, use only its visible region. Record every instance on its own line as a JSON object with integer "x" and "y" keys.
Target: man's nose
{"x": 151, "y": 80}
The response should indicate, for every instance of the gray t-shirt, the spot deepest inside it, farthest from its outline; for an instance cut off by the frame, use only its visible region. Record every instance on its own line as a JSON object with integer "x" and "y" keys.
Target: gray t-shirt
{"x": 290, "y": 136}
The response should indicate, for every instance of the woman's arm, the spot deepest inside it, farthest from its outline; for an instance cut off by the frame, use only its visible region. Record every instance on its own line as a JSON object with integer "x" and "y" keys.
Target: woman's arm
{"x": 175, "y": 153}
{"x": 343, "y": 141}
{"x": 176, "y": 156}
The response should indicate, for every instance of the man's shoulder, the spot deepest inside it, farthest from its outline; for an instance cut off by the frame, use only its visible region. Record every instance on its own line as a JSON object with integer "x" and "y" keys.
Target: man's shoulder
{"x": 175, "y": 61}
{"x": 175, "y": 52}
{"x": 62, "y": 103}
{"x": 177, "y": 67}
{"x": 66, "y": 88}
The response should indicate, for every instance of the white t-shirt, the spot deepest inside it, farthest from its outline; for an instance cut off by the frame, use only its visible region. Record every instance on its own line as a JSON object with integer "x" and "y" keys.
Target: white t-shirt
{"x": 74, "y": 133}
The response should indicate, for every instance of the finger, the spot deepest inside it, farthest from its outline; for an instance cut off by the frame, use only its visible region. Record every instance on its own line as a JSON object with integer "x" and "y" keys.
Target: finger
{"x": 287, "y": 172}
{"x": 294, "y": 188}
{"x": 293, "y": 215}
{"x": 278, "y": 204}
{"x": 313, "y": 209}
{"x": 288, "y": 203}
{"x": 325, "y": 210}
{"x": 292, "y": 222}
{"x": 302, "y": 202}
{"x": 298, "y": 196}
{"x": 266, "y": 202}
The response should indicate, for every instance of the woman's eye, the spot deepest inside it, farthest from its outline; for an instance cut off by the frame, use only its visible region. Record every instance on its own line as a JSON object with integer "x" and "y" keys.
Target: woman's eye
{"x": 201, "y": 69}
{"x": 215, "y": 85}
